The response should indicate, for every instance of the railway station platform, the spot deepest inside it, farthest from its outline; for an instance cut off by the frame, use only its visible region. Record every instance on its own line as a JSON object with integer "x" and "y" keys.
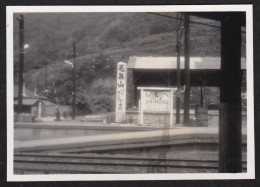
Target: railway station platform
{"x": 139, "y": 149}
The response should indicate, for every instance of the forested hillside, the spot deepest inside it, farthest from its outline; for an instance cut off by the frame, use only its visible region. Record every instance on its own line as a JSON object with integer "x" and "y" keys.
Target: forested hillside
{"x": 102, "y": 39}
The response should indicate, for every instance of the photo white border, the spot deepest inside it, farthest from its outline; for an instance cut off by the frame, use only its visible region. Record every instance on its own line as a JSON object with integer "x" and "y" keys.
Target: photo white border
{"x": 10, "y": 10}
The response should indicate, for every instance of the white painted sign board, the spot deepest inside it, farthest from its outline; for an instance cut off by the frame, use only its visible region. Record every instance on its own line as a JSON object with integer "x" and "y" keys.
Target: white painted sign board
{"x": 155, "y": 99}
{"x": 121, "y": 91}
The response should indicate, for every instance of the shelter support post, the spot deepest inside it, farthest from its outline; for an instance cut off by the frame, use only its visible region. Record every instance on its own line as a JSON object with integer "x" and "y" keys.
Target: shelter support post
{"x": 230, "y": 137}
{"x": 178, "y": 83}
{"x": 202, "y": 93}
{"x": 186, "y": 119}
{"x": 171, "y": 108}
{"x": 142, "y": 109}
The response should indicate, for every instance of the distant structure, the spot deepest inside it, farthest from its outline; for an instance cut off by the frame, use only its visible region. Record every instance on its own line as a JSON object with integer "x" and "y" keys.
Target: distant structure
{"x": 32, "y": 102}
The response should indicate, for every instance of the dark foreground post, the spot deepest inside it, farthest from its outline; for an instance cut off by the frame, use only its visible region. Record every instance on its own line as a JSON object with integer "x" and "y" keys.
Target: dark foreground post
{"x": 21, "y": 62}
{"x": 230, "y": 138}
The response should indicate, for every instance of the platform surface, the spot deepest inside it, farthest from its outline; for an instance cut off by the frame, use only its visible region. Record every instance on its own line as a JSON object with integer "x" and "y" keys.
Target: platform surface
{"x": 172, "y": 134}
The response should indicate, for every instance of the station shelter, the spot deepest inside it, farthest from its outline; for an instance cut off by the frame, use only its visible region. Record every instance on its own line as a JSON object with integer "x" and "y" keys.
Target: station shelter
{"x": 152, "y": 71}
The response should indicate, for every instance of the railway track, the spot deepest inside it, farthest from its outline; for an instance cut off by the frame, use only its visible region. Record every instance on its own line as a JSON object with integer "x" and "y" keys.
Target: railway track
{"x": 31, "y": 163}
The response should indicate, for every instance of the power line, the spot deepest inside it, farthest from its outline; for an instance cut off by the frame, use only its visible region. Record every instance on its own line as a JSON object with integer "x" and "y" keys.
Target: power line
{"x": 195, "y": 22}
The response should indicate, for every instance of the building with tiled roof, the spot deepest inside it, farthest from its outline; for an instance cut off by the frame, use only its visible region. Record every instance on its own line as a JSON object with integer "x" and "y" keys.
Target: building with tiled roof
{"x": 31, "y": 102}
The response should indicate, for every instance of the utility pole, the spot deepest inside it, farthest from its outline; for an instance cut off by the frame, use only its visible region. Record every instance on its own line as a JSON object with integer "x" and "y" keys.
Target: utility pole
{"x": 21, "y": 62}
{"x": 74, "y": 83}
{"x": 178, "y": 46}
{"x": 46, "y": 71}
{"x": 186, "y": 119}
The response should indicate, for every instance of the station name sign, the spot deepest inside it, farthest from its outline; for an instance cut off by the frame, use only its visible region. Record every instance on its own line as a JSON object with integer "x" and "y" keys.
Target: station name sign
{"x": 156, "y": 100}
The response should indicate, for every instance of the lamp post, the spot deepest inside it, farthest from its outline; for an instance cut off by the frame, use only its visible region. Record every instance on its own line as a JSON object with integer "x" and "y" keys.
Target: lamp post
{"x": 21, "y": 62}
{"x": 73, "y": 64}
{"x": 74, "y": 84}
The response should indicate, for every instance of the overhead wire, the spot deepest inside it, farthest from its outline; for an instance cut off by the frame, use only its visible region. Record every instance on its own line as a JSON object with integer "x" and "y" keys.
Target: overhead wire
{"x": 191, "y": 21}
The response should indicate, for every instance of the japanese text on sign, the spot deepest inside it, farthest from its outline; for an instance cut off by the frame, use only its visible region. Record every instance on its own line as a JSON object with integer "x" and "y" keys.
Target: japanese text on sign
{"x": 156, "y": 100}
{"x": 121, "y": 92}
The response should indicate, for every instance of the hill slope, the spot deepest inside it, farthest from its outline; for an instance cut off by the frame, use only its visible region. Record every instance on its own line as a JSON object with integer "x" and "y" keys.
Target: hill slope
{"x": 50, "y": 36}
{"x": 102, "y": 40}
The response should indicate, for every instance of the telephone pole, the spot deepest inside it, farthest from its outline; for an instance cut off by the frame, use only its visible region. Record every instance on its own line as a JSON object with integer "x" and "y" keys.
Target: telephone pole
{"x": 21, "y": 62}
{"x": 186, "y": 119}
{"x": 178, "y": 46}
{"x": 74, "y": 83}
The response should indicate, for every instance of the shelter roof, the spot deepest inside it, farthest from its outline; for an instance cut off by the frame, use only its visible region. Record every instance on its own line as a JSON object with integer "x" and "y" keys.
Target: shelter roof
{"x": 48, "y": 103}
{"x": 161, "y": 63}
{"x": 26, "y": 101}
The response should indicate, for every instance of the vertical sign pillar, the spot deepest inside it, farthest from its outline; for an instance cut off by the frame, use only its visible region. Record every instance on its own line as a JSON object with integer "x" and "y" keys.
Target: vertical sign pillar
{"x": 121, "y": 91}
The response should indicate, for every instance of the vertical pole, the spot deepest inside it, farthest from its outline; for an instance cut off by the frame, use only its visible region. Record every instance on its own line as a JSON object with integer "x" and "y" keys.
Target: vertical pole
{"x": 201, "y": 94}
{"x": 187, "y": 71}
{"x": 24, "y": 94}
{"x": 21, "y": 62}
{"x": 46, "y": 69}
{"x": 139, "y": 111}
{"x": 130, "y": 80}
{"x": 204, "y": 94}
{"x": 230, "y": 137}
{"x": 142, "y": 105}
{"x": 171, "y": 109}
{"x": 39, "y": 110}
{"x": 178, "y": 75}
{"x": 74, "y": 83}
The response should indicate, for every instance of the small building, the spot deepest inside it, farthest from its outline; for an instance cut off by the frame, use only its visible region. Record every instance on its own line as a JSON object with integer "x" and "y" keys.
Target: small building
{"x": 31, "y": 102}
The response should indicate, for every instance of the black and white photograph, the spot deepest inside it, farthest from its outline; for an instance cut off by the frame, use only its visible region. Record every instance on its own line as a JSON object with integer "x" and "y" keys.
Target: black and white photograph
{"x": 130, "y": 92}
